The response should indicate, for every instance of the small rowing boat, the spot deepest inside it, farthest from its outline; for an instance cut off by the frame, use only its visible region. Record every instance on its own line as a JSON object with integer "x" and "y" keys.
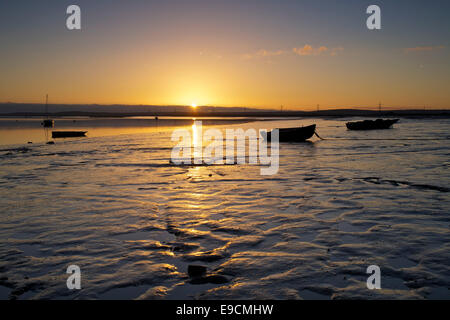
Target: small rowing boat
{"x": 371, "y": 124}
{"x": 68, "y": 134}
{"x": 298, "y": 134}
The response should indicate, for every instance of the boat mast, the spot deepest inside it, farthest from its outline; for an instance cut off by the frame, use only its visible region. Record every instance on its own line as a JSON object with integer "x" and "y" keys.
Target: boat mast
{"x": 46, "y": 105}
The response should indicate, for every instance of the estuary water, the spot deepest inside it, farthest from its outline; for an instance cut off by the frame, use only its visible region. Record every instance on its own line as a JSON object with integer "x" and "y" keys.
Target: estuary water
{"x": 114, "y": 205}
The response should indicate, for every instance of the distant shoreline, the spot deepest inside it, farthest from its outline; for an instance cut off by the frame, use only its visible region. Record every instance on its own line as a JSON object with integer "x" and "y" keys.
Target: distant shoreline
{"x": 339, "y": 113}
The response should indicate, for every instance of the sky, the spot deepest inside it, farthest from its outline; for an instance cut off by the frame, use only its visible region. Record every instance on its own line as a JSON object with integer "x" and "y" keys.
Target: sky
{"x": 254, "y": 53}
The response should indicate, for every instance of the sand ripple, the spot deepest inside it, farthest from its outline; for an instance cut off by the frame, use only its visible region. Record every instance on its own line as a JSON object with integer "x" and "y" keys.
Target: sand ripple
{"x": 133, "y": 222}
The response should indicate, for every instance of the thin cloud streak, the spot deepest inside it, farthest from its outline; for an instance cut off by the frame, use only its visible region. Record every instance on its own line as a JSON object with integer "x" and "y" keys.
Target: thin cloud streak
{"x": 306, "y": 50}
{"x": 423, "y": 49}
{"x": 264, "y": 53}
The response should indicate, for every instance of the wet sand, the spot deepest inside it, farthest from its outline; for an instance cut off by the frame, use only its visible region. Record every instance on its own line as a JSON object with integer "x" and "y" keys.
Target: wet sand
{"x": 114, "y": 205}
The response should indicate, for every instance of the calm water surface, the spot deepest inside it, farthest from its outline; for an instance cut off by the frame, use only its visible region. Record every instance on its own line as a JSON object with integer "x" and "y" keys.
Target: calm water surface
{"x": 113, "y": 204}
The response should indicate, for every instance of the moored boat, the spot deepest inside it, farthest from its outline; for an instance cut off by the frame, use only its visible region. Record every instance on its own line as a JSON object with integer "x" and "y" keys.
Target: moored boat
{"x": 68, "y": 134}
{"x": 294, "y": 134}
{"x": 371, "y": 124}
{"x": 47, "y": 123}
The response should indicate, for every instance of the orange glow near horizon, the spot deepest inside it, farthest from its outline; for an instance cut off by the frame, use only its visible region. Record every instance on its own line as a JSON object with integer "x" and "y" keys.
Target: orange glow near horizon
{"x": 297, "y": 83}
{"x": 224, "y": 56}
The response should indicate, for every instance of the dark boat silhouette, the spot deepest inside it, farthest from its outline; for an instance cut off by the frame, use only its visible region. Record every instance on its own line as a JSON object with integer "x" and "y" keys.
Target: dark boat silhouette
{"x": 371, "y": 124}
{"x": 47, "y": 123}
{"x": 68, "y": 134}
{"x": 294, "y": 134}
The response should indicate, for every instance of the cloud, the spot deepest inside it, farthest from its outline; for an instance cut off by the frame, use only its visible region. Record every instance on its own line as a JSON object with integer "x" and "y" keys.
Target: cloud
{"x": 308, "y": 50}
{"x": 263, "y": 53}
{"x": 423, "y": 49}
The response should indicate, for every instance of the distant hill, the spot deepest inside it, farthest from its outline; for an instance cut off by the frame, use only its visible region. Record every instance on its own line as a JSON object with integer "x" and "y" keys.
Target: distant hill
{"x": 31, "y": 108}
{"x": 94, "y": 110}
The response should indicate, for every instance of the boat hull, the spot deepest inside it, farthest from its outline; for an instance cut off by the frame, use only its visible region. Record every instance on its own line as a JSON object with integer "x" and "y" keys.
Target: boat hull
{"x": 371, "y": 124}
{"x": 68, "y": 134}
{"x": 47, "y": 123}
{"x": 294, "y": 134}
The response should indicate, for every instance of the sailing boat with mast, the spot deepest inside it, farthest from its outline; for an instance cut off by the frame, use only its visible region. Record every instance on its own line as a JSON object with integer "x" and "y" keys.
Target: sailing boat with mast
{"x": 47, "y": 123}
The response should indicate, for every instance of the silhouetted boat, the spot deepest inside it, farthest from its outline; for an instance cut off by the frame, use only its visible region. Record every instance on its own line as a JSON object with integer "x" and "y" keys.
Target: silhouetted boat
{"x": 47, "y": 123}
{"x": 68, "y": 134}
{"x": 371, "y": 124}
{"x": 294, "y": 134}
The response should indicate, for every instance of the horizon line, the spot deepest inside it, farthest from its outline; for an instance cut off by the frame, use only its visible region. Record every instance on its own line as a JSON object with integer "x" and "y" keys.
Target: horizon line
{"x": 292, "y": 109}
